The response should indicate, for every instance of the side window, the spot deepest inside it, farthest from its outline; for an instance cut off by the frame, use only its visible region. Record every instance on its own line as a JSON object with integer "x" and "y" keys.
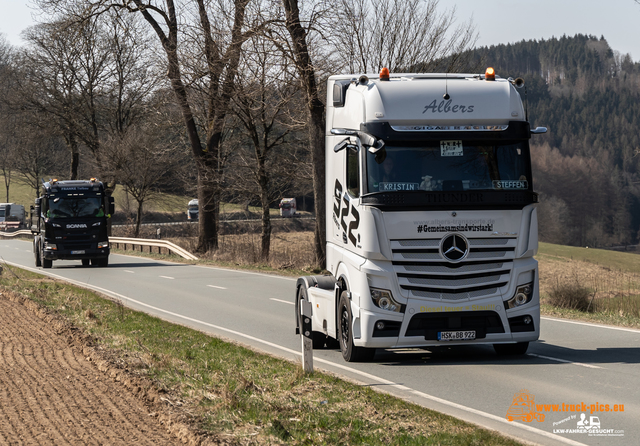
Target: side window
{"x": 353, "y": 173}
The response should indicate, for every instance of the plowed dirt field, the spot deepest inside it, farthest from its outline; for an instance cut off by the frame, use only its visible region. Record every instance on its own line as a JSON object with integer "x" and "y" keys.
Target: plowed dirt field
{"x": 54, "y": 390}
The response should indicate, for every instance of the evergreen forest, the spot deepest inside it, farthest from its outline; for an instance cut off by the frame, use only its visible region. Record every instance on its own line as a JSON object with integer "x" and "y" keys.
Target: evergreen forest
{"x": 587, "y": 166}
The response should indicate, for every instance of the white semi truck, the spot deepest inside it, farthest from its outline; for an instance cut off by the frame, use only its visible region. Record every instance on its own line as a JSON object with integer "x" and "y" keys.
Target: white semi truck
{"x": 431, "y": 216}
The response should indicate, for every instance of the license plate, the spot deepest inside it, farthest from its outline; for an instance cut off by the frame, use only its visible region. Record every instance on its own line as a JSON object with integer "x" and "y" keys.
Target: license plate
{"x": 456, "y": 335}
{"x": 77, "y": 252}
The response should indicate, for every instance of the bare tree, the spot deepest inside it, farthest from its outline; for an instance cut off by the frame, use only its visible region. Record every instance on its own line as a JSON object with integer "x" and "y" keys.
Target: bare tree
{"x": 265, "y": 92}
{"x": 300, "y": 53}
{"x": 398, "y": 34}
{"x": 219, "y": 41}
{"x": 64, "y": 70}
{"x": 39, "y": 155}
{"x": 88, "y": 78}
{"x": 140, "y": 159}
{"x": 7, "y": 120}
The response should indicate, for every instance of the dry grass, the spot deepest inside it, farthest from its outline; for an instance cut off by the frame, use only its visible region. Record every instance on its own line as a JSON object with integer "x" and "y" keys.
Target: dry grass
{"x": 586, "y": 286}
{"x": 289, "y": 250}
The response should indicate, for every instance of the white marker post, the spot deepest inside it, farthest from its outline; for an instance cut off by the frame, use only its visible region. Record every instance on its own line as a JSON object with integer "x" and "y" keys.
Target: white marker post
{"x": 305, "y": 331}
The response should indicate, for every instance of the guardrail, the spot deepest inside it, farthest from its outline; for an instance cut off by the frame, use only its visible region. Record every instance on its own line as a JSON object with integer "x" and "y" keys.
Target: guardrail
{"x": 14, "y": 233}
{"x": 142, "y": 242}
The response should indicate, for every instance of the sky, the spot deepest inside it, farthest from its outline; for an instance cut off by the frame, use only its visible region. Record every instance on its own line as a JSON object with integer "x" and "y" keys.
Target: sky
{"x": 496, "y": 21}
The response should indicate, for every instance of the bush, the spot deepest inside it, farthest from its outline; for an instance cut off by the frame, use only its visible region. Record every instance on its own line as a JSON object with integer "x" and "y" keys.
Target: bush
{"x": 572, "y": 296}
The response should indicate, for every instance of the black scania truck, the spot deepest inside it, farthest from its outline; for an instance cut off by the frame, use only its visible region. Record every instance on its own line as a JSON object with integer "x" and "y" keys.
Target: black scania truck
{"x": 71, "y": 223}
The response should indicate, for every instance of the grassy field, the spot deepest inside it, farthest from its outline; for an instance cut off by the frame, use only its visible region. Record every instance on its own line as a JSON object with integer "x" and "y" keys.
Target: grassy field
{"x": 234, "y": 394}
{"x": 607, "y": 283}
{"x": 20, "y": 193}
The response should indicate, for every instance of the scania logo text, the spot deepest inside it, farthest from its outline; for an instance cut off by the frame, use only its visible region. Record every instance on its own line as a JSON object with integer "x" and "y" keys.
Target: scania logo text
{"x": 454, "y": 248}
{"x": 76, "y": 226}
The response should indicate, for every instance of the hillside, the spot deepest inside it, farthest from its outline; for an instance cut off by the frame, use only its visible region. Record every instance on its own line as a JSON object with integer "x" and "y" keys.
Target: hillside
{"x": 587, "y": 167}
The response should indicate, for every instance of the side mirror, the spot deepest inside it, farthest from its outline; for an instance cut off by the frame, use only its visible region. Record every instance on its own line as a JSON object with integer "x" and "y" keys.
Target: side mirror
{"x": 380, "y": 155}
{"x": 539, "y": 130}
{"x": 345, "y": 144}
{"x": 112, "y": 206}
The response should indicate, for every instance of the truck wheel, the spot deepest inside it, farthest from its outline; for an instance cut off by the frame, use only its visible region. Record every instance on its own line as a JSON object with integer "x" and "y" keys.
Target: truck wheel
{"x": 103, "y": 262}
{"x": 350, "y": 352}
{"x": 317, "y": 337}
{"x": 47, "y": 263}
{"x": 36, "y": 252}
{"x": 519, "y": 348}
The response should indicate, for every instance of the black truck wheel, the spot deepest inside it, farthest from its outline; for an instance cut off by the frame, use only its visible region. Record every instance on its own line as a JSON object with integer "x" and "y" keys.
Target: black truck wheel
{"x": 36, "y": 252}
{"x": 350, "y": 352}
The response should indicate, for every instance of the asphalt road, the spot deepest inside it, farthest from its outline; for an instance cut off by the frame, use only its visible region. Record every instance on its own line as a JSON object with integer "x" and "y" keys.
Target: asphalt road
{"x": 583, "y": 366}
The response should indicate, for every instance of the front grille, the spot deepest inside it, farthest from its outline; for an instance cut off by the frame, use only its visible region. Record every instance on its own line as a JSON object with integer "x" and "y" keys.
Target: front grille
{"x": 429, "y": 324}
{"x": 423, "y": 272}
{"x": 75, "y": 240}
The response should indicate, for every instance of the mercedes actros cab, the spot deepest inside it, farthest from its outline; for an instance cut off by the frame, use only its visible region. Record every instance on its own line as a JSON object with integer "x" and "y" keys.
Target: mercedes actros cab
{"x": 431, "y": 216}
{"x": 71, "y": 223}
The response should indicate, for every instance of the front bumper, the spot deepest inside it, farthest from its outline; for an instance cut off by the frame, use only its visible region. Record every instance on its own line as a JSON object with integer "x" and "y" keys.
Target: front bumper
{"x": 76, "y": 254}
{"x": 420, "y": 325}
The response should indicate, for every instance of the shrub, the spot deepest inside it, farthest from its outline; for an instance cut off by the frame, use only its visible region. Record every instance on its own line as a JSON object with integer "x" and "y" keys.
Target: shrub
{"x": 572, "y": 296}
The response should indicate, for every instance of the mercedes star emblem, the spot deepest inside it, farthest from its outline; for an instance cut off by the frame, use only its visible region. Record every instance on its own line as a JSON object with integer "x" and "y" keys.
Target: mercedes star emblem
{"x": 454, "y": 247}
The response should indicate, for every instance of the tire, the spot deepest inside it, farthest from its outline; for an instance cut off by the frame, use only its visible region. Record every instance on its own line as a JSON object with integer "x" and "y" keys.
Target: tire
{"x": 103, "y": 263}
{"x": 47, "y": 263}
{"x": 350, "y": 352}
{"x": 36, "y": 252}
{"x": 86, "y": 262}
{"x": 318, "y": 339}
{"x": 94, "y": 262}
{"x": 519, "y": 348}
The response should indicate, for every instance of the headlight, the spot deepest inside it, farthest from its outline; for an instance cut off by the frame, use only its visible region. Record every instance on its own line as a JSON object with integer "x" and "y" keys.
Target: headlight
{"x": 384, "y": 300}
{"x": 50, "y": 247}
{"x": 523, "y": 295}
{"x": 103, "y": 245}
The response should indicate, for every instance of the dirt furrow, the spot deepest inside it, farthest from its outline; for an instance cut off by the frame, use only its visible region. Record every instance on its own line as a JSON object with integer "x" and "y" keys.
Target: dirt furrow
{"x": 51, "y": 394}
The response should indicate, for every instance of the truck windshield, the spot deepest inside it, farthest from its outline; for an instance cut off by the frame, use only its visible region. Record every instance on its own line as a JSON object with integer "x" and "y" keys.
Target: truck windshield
{"x": 72, "y": 207}
{"x": 450, "y": 166}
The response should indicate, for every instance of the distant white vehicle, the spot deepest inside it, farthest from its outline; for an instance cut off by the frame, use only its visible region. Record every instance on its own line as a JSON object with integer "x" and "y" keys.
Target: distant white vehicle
{"x": 193, "y": 210}
{"x": 11, "y": 216}
{"x": 288, "y": 207}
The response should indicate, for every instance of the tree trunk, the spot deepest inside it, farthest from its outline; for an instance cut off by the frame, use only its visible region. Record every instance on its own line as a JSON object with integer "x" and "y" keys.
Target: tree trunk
{"x": 138, "y": 220}
{"x": 266, "y": 216}
{"x": 315, "y": 109}
{"x": 209, "y": 210}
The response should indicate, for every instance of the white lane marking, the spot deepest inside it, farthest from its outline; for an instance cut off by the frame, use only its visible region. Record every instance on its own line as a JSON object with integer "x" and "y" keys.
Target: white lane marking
{"x": 588, "y": 324}
{"x": 565, "y": 361}
{"x": 127, "y": 271}
{"x": 320, "y": 360}
{"x": 167, "y": 277}
{"x": 271, "y": 276}
{"x": 283, "y": 301}
{"x": 217, "y": 287}
{"x": 324, "y": 361}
